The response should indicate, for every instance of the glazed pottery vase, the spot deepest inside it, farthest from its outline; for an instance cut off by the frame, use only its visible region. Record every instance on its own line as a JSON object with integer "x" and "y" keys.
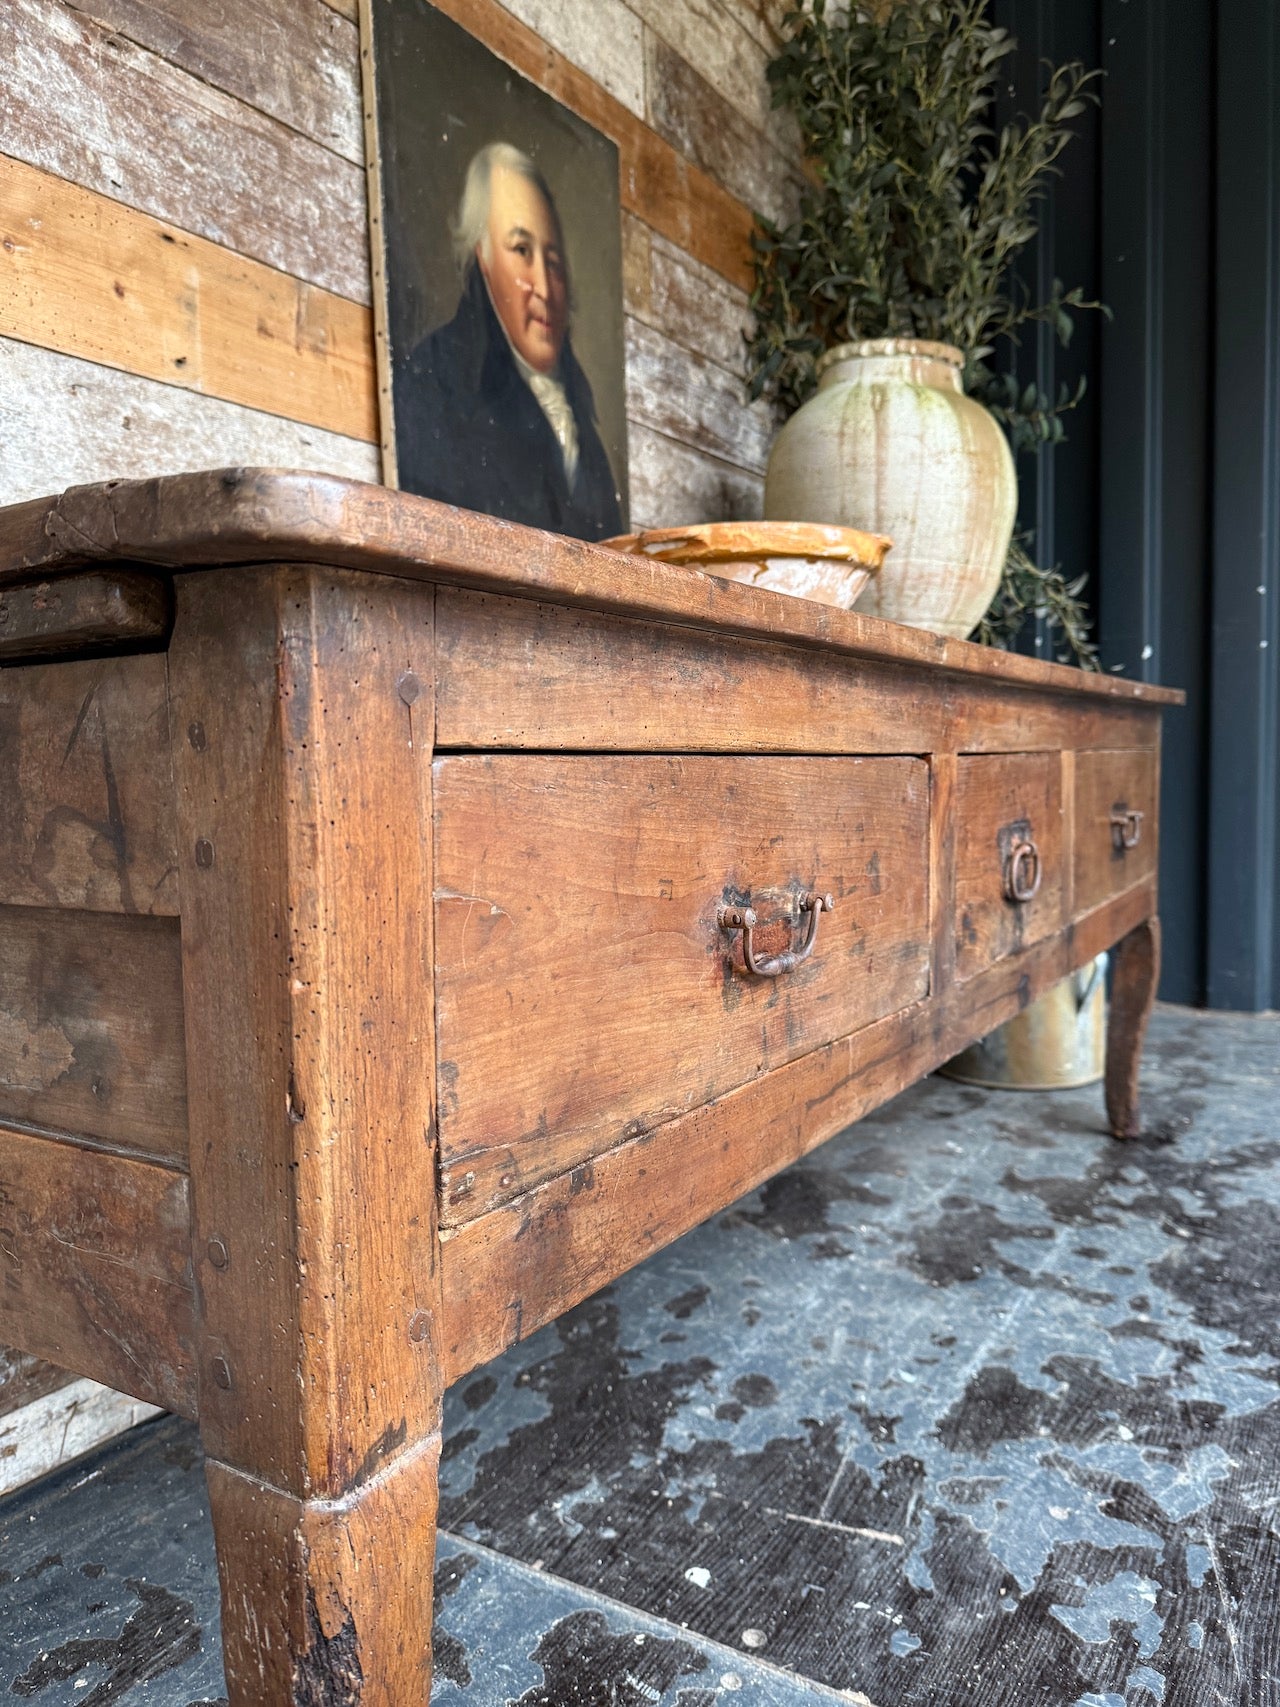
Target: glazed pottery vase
{"x": 890, "y": 443}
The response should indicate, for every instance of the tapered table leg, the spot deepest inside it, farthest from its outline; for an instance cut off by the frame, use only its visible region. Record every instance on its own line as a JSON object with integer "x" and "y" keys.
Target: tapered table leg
{"x": 301, "y": 709}
{"x": 1133, "y": 994}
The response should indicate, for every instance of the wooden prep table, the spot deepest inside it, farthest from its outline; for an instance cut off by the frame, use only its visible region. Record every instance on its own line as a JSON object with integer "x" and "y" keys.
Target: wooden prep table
{"x": 378, "y": 925}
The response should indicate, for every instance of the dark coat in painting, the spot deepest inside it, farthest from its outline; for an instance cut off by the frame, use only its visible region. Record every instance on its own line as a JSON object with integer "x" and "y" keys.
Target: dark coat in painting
{"x": 469, "y": 430}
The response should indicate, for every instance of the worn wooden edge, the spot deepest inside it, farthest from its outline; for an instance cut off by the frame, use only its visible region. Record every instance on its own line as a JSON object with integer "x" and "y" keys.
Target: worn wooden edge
{"x": 246, "y": 515}
{"x": 93, "y": 615}
{"x": 521, "y": 1265}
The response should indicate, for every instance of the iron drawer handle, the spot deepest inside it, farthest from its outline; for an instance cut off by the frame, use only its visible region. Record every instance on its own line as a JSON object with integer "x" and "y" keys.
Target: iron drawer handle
{"x": 1022, "y": 871}
{"x": 1126, "y": 829}
{"x": 744, "y": 920}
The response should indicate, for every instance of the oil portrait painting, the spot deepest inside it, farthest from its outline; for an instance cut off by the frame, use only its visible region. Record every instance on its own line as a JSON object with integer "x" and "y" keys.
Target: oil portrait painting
{"x": 500, "y": 307}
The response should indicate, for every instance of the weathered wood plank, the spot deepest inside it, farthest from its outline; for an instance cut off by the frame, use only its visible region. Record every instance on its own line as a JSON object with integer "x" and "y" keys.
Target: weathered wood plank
{"x": 295, "y": 60}
{"x": 523, "y": 1264}
{"x": 675, "y": 197}
{"x": 62, "y": 1425}
{"x": 86, "y": 790}
{"x": 86, "y": 275}
{"x": 65, "y": 422}
{"x": 605, "y": 40}
{"x": 723, "y": 41}
{"x": 684, "y": 396}
{"x": 91, "y": 1038}
{"x": 1002, "y": 801}
{"x": 519, "y": 673}
{"x": 568, "y": 887}
{"x": 672, "y": 483}
{"x": 135, "y": 128}
{"x": 94, "y": 1266}
{"x": 24, "y": 1379}
{"x": 693, "y": 115}
{"x": 84, "y": 615}
{"x": 683, "y": 299}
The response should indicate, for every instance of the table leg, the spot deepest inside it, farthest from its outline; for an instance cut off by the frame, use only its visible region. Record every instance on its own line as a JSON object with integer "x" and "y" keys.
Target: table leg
{"x": 1133, "y": 994}
{"x": 327, "y": 1603}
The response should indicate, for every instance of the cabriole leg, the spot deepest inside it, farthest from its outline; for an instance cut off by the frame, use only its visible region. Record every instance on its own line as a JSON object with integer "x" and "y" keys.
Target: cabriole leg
{"x": 1133, "y": 994}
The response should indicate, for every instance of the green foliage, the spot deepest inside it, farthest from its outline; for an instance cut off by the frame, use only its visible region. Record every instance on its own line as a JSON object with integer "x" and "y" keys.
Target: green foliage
{"x": 1026, "y": 590}
{"x": 915, "y": 212}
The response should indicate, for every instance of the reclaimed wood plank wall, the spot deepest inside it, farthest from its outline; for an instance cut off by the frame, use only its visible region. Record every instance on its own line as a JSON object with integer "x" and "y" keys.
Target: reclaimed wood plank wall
{"x": 185, "y": 279}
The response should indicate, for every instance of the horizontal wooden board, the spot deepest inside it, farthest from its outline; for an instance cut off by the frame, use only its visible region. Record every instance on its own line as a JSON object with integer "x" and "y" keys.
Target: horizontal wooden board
{"x": 141, "y": 131}
{"x": 86, "y": 275}
{"x": 689, "y": 110}
{"x": 24, "y": 1379}
{"x": 109, "y": 610}
{"x": 657, "y": 182}
{"x": 94, "y": 1266}
{"x": 62, "y": 1426}
{"x": 684, "y": 396}
{"x": 726, "y": 43}
{"x": 605, "y": 40}
{"x": 86, "y": 787}
{"x": 1106, "y": 783}
{"x": 65, "y": 422}
{"x": 1003, "y": 800}
{"x": 259, "y": 516}
{"x": 671, "y": 483}
{"x": 519, "y": 673}
{"x": 584, "y": 986}
{"x": 523, "y": 1264}
{"x": 683, "y": 299}
{"x": 91, "y": 1036}
{"x": 295, "y": 60}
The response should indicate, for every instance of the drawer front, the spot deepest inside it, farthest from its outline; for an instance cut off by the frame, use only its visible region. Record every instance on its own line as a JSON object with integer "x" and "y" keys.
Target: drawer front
{"x": 1009, "y": 855}
{"x": 1115, "y": 829}
{"x": 586, "y": 987}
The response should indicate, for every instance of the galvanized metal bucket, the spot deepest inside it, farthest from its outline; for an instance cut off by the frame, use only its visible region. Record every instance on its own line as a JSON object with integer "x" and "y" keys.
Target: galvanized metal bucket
{"x": 1056, "y": 1042}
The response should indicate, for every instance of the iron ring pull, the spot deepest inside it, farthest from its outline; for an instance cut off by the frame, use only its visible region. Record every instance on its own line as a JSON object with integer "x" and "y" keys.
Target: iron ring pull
{"x": 773, "y": 966}
{"x": 1022, "y": 871}
{"x": 1126, "y": 829}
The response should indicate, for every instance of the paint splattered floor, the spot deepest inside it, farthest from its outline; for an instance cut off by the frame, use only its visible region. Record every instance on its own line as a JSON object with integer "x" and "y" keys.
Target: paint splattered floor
{"x": 972, "y": 1407}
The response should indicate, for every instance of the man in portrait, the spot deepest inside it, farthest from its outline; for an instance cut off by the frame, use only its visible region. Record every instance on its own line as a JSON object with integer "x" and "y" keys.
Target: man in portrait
{"x": 492, "y": 410}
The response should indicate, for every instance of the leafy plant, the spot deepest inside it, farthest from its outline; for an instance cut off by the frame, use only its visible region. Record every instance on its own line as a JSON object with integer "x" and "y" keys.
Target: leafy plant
{"x": 912, "y": 220}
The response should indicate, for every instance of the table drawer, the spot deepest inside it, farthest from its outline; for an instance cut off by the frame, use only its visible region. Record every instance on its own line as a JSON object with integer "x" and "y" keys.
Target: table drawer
{"x": 1009, "y": 855}
{"x": 587, "y": 988}
{"x": 1115, "y": 823}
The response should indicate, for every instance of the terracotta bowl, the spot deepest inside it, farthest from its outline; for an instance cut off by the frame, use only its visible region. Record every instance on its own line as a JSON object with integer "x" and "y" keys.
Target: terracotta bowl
{"x": 807, "y": 559}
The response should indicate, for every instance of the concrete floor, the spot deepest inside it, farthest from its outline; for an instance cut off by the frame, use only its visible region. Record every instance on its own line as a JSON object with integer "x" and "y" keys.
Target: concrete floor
{"x": 973, "y": 1406}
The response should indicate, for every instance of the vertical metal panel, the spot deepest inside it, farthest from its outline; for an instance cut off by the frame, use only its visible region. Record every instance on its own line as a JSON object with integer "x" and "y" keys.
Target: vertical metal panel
{"x": 1244, "y": 835}
{"x": 1152, "y": 598}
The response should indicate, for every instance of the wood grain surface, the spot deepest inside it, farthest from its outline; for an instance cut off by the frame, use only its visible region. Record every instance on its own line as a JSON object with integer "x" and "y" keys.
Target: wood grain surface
{"x": 524, "y": 1263}
{"x": 519, "y": 673}
{"x": 119, "y": 610}
{"x": 294, "y": 60}
{"x": 68, "y": 422}
{"x": 1001, "y": 800}
{"x": 94, "y": 1264}
{"x": 140, "y": 130}
{"x": 86, "y": 787}
{"x": 91, "y": 1038}
{"x": 301, "y": 709}
{"x": 586, "y": 991}
{"x": 84, "y": 274}
{"x": 1107, "y": 783}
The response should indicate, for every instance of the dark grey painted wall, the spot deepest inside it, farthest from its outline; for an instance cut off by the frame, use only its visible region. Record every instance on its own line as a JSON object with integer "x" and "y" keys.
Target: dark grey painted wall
{"x": 1168, "y": 489}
